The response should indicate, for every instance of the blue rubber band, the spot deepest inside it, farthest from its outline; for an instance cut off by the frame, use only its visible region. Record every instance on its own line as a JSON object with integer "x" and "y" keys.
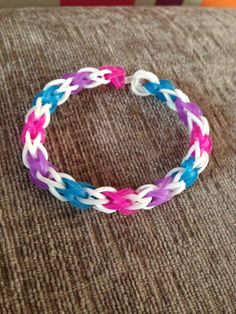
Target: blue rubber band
{"x": 74, "y": 190}
{"x": 155, "y": 88}
{"x": 190, "y": 175}
{"x": 49, "y": 96}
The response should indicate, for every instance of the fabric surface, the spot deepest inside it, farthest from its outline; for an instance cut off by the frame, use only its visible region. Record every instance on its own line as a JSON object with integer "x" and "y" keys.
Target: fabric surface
{"x": 42, "y": 3}
{"x": 177, "y": 258}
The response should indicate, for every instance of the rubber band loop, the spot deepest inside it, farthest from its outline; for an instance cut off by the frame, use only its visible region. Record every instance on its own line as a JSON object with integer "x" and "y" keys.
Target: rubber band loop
{"x": 108, "y": 199}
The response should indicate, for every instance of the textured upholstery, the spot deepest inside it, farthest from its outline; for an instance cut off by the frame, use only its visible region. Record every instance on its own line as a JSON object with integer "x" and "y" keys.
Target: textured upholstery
{"x": 177, "y": 258}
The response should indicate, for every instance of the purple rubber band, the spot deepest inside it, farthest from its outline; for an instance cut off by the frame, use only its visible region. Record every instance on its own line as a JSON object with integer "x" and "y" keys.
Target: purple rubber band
{"x": 79, "y": 78}
{"x": 39, "y": 164}
{"x": 182, "y": 106}
{"x": 160, "y": 195}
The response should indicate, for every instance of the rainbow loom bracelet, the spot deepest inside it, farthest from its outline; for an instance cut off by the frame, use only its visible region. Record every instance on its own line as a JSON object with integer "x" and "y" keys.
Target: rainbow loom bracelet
{"x": 108, "y": 199}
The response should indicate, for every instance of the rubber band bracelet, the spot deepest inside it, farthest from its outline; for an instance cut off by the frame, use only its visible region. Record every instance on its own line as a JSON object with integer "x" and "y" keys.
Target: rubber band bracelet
{"x": 108, "y": 199}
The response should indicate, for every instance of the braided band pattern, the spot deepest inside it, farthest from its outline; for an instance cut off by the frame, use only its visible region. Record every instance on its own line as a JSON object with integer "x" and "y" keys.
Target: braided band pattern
{"x": 108, "y": 199}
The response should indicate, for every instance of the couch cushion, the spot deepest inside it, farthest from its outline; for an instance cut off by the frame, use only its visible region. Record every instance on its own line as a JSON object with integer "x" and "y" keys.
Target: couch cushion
{"x": 177, "y": 258}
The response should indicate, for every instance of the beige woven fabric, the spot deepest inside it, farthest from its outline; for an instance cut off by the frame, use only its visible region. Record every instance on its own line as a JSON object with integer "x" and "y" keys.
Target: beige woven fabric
{"x": 177, "y": 258}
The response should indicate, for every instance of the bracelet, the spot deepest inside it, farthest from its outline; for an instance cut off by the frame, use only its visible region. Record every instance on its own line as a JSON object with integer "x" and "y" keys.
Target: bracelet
{"x": 108, "y": 199}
